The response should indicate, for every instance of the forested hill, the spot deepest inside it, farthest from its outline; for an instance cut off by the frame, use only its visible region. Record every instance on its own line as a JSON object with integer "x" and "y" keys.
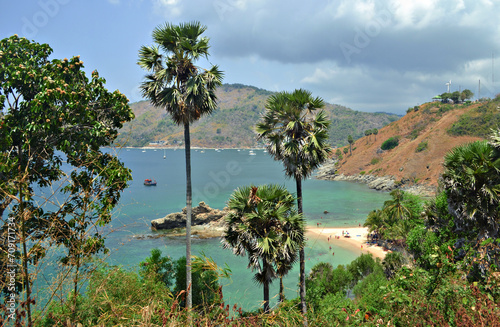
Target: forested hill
{"x": 412, "y": 149}
{"x": 231, "y": 125}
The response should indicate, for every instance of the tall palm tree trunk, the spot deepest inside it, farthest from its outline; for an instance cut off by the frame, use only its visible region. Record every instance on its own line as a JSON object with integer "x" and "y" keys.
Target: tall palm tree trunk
{"x": 187, "y": 141}
{"x": 282, "y": 290}
{"x": 302, "y": 279}
{"x": 266, "y": 287}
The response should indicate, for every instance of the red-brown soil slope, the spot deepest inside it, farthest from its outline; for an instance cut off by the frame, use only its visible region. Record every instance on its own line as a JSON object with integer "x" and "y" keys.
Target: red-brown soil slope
{"x": 428, "y": 124}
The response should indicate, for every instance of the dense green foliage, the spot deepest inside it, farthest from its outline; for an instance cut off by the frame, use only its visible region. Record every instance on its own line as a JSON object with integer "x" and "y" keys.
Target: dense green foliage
{"x": 114, "y": 295}
{"x": 158, "y": 268}
{"x": 396, "y": 218}
{"x": 55, "y": 122}
{"x": 457, "y": 96}
{"x": 205, "y": 285}
{"x": 390, "y": 143}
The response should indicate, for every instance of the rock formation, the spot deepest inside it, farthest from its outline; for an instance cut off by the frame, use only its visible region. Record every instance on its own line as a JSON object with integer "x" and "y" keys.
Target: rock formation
{"x": 201, "y": 215}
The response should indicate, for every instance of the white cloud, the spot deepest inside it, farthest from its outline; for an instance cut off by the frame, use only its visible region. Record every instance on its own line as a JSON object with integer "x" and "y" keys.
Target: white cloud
{"x": 168, "y": 8}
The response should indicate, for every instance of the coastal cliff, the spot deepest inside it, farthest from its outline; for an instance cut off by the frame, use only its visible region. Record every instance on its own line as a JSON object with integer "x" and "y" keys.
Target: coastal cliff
{"x": 422, "y": 138}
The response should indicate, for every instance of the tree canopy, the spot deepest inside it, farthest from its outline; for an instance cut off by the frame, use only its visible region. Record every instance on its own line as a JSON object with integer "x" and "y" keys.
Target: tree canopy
{"x": 55, "y": 122}
{"x": 264, "y": 225}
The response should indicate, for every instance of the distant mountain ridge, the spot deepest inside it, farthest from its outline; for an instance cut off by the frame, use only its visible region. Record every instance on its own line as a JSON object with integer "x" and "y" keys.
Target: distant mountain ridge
{"x": 231, "y": 125}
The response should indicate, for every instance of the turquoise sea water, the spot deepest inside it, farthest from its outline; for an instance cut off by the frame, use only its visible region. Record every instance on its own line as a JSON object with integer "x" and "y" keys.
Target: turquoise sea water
{"x": 215, "y": 175}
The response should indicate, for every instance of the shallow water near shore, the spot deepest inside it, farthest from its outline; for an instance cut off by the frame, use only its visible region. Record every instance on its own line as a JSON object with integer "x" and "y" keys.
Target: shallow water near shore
{"x": 215, "y": 175}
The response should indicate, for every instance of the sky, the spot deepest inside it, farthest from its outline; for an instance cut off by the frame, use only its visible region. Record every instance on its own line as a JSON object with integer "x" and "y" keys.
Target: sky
{"x": 368, "y": 55}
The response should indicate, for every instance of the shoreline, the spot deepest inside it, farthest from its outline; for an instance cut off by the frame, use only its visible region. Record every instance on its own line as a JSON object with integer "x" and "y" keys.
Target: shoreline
{"x": 357, "y": 239}
{"x": 356, "y": 242}
{"x": 387, "y": 183}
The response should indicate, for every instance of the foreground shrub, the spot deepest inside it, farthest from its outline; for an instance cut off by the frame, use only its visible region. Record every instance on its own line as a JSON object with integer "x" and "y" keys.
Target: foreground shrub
{"x": 205, "y": 285}
{"x": 113, "y": 295}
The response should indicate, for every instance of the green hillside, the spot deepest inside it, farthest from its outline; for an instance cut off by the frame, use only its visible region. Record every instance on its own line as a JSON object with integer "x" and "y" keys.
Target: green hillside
{"x": 231, "y": 125}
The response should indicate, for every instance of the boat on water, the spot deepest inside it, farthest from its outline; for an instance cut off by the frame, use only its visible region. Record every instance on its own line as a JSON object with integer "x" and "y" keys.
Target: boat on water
{"x": 251, "y": 153}
{"x": 150, "y": 182}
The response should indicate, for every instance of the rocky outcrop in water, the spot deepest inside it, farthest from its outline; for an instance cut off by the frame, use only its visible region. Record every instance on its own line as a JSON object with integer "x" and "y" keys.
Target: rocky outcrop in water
{"x": 201, "y": 215}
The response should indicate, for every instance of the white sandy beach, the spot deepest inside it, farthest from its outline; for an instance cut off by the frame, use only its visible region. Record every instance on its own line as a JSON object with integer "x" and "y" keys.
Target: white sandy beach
{"x": 357, "y": 239}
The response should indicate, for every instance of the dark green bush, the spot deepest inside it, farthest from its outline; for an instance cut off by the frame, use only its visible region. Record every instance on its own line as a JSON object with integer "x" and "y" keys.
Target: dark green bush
{"x": 205, "y": 284}
{"x": 157, "y": 268}
{"x": 422, "y": 146}
{"x": 390, "y": 143}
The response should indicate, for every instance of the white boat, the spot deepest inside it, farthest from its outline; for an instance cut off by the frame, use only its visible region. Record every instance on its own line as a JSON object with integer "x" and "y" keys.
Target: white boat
{"x": 251, "y": 153}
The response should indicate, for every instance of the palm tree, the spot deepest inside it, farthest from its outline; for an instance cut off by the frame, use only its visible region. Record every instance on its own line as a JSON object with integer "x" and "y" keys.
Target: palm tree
{"x": 298, "y": 138}
{"x": 351, "y": 141}
{"x": 186, "y": 92}
{"x": 396, "y": 208}
{"x": 375, "y": 221}
{"x": 472, "y": 184}
{"x": 264, "y": 225}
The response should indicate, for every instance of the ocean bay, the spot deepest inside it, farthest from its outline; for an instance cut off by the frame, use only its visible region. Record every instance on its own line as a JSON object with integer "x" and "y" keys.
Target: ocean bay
{"x": 215, "y": 175}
